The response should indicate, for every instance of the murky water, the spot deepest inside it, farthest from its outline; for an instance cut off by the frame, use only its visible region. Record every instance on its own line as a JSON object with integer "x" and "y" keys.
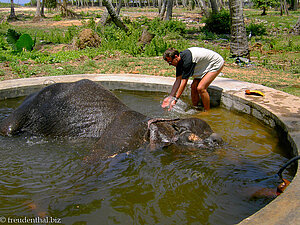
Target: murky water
{"x": 42, "y": 177}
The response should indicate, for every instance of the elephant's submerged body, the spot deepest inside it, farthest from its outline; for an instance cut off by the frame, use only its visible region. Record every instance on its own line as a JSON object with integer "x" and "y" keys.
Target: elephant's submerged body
{"x": 86, "y": 109}
{"x": 80, "y": 109}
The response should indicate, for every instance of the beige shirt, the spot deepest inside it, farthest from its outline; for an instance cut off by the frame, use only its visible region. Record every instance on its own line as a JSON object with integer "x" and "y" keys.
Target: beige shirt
{"x": 206, "y": 61}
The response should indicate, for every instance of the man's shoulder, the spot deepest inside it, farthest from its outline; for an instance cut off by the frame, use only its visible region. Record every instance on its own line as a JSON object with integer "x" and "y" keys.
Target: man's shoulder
{"x": 185, "y": 52}
{"x": 186, "y": 55}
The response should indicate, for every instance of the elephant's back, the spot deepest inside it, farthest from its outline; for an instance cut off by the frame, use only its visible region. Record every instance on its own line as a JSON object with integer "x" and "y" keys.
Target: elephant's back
{"x": 79, "y": 109}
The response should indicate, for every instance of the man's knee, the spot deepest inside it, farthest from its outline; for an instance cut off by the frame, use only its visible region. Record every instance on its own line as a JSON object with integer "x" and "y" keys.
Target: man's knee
{"x": 201, "y": 89}
{"x": 195, "y": 84}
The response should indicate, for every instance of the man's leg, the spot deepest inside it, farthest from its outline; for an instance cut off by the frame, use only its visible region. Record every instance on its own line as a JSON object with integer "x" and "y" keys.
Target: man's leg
{"x": 203, "y": 85}
{"x": 194, "y": 93}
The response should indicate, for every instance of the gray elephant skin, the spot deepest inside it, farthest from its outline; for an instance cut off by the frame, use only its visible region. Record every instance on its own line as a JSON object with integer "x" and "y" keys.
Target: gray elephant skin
{"x": 85, "y": 109}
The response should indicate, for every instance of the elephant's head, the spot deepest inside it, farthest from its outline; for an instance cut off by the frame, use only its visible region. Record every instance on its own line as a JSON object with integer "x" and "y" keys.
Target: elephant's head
{"x": 191, "y": 132}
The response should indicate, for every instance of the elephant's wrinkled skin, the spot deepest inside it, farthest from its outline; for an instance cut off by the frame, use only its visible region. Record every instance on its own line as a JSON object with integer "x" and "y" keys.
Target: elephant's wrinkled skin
{"x": 86, "y": 109}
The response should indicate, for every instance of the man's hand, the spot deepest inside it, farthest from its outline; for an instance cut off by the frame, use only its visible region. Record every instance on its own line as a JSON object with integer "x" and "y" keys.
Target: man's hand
{"x": 169, "y": 102}
{"x": 173, "y": 102}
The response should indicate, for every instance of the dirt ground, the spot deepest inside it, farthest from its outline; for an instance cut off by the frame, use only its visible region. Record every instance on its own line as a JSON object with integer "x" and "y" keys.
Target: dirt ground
{"x": 186, "y": 16}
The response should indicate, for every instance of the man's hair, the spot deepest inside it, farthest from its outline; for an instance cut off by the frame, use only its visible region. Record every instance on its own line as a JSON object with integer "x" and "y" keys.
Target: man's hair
{"x": 171, "y": 52}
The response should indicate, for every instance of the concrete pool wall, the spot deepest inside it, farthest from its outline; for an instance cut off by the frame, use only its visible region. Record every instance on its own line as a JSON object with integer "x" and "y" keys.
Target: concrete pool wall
{"x": 277, "y": 109}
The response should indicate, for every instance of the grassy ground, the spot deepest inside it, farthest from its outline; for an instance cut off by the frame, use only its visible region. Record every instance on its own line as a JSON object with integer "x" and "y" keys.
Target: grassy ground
{"x": 275, "y": 57}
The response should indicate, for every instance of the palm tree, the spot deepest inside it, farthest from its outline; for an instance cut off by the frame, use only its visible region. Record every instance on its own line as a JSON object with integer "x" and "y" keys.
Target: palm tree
{"x": 214, "y": 6}
{"x": 169, "y": 10}
{"x": 12, "y": 15}
{"x": 38, "y": 15}
{"x": 114, "y": 16}
{"x": 239, "y": 43}
{"x": 162, "y": 9}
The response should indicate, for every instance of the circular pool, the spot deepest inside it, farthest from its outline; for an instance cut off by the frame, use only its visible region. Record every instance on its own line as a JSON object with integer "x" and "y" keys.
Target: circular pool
{"x": 83, "y": 183}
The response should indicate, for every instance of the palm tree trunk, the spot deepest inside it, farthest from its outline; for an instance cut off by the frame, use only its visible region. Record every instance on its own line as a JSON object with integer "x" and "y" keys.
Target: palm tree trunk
{"x": 169, "y": 10}
{"x": 43, "y": 8}
{"x": 163, "y": 10}
{"x": 38, "y": 16}
{"x": 12, "y": 10}
{"x": 159, "y": 4}
{"x": 239, "y": 43}
{"x": 294, "y": 5}
{"x": 203, "y": 7}
{"x": 115, "y": 18}
{"x": 214, "y": 6}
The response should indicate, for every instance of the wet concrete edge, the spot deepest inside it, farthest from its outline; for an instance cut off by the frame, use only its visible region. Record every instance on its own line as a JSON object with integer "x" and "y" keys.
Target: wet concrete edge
{"x": 277, "y": 109}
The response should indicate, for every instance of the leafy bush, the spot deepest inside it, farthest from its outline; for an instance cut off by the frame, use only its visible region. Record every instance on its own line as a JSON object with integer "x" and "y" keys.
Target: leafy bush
{"x": 58, "y": 36}
{"x": 50, "y": 4}
{"x": 3, "y": 44}
{"x": 218, "y": 23}
{"x": 156, "y": 47}
{"x": 91, "y": 23}
{"x": 57, "y": 18}
{"x": 25, "y": 42}
{"x": 113, "y": 38}
{"x": 256, "y": 29}
{"x": 161, "y": 28}
{"x": 12, "y": 36}
{"x": 19, "y": 42}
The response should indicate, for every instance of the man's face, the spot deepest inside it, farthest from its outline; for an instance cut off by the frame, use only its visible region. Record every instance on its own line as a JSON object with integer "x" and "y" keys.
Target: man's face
{"x": 173, "y": 62}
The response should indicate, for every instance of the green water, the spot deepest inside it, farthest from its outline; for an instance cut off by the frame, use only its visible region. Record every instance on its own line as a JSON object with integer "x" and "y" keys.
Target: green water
{"x": 44, "y": 178}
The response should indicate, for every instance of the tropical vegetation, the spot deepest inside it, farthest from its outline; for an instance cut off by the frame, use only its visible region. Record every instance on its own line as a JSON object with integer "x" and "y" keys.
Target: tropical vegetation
{"x": 27, "y": 49}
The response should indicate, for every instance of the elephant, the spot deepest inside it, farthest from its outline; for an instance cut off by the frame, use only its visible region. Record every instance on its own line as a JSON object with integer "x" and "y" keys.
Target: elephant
{"x": 86, "y": 109}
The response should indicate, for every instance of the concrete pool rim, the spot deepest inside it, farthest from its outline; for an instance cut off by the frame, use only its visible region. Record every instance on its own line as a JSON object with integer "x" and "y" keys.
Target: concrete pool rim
{"x": 276, "y": 109}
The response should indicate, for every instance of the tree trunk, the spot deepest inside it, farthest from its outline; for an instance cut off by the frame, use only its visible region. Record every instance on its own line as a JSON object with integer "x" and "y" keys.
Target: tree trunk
{"x": 163, "y": 10}
{"x": 119, "y": 6}
{"x": 12, "y": 15}
{"x": 38, "y": 16}
{"x": 105, "y": 16}
{"x": 176, "y": 3}
{"x": 294, "y": 5}
{"x": 153, "y": 3}
{"x": 64, "y": 8}
{"x": 214, "y": 6}
{"x": 221, "y": 4}
{"x": 239, "y": 43}
{"x": 115, "y": 18}
{"x": 264, "y": 13}
{"x": 191, "y": 4}
{"x": 169, "y": 10}
{"x": 283, "y": 8}
{"x": 159, "y": 5}
{"x": 43, "y": 8}
{"x": 204, "y": 8}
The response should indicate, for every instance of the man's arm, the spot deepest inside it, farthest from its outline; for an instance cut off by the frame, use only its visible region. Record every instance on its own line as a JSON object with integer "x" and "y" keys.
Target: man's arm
{"x": 179, "y": 92}
{"x": 176, "y": 85}
{"x": 167, "y": 101}
{"x": 181, "y": 88}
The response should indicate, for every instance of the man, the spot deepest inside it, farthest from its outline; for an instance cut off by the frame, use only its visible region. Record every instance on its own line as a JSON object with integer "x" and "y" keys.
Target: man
{"x": 202, "y": 64}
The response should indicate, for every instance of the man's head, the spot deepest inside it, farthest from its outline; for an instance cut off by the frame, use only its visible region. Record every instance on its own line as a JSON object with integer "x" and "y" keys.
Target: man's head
{"x": 172, "y": 56}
